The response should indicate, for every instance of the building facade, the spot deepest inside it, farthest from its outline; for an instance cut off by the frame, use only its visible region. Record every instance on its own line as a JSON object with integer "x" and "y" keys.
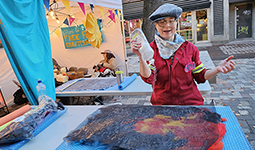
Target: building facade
{"x": 241, "y": 19}
{"x": 203, "y": 21}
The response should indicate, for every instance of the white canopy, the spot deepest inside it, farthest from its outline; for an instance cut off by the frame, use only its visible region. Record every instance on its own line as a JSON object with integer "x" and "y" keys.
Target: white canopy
{"x": 117, "y": 4}
{"x": 79, "y": 57}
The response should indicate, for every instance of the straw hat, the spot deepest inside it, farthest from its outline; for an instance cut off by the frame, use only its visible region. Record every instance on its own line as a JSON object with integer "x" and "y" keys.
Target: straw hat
{"x": 106, "y": 51}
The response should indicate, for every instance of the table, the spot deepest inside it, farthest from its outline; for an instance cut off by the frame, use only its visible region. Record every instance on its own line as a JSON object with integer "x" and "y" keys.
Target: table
{"x": 52, "y": 136}
{"x": 137, "y": 87}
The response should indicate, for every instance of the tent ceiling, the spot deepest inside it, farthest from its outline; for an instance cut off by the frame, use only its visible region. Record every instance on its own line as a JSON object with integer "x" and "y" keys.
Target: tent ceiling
{"x": 75, "y": 11}
{"x": 134, "y": 10}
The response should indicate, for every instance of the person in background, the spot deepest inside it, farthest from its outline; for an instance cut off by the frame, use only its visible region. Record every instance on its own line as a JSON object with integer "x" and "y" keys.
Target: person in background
{"x": 176, "y": 61}
{"x": 55, "y": 64}
{"x": 109, "y": 61}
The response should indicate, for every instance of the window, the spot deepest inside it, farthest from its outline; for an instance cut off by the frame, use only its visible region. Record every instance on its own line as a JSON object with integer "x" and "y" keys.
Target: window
{"x": 186, "y": 26}
{"x": 201, "y": 19}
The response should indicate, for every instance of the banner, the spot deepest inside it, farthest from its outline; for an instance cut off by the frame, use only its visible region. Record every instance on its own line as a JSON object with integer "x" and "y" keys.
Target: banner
{"x": 75, "y": 36}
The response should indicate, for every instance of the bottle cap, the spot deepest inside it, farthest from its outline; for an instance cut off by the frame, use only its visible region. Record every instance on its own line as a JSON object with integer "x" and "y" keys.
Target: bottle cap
{"x": 119, "y": 72}
{"x": 39, "y": 81}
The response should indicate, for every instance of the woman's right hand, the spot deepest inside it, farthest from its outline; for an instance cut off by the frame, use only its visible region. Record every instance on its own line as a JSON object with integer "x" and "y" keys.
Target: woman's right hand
{"x": 135, "y": 46}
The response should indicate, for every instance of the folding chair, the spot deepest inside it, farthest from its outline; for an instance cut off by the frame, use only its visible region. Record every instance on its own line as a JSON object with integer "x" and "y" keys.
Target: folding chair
{"x": 72, "y": 69}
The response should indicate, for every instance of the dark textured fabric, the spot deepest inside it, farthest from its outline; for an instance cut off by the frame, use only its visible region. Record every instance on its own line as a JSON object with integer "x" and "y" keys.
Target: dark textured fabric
{"x": 149, "y": 127}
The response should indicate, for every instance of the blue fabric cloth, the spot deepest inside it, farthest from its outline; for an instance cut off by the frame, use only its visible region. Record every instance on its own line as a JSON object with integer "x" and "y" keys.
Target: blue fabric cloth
{"x": 25, "y": 36}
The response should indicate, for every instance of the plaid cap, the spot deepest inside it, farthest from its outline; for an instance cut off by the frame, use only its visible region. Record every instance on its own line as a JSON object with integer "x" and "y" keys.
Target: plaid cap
{"x": 166, "y": 10}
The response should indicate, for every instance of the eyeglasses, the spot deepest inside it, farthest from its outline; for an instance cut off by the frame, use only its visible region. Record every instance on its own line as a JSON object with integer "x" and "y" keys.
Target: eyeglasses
{"x": 163, "y": 23}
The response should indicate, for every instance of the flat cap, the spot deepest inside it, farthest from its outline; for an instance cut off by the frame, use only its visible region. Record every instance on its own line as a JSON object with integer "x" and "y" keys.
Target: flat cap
{"x": 166, "y": 10}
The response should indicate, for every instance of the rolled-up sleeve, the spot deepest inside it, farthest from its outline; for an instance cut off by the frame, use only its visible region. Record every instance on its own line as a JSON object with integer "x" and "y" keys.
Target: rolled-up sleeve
{"x": 149, "y": 80}
{"x": 200, "y": 77}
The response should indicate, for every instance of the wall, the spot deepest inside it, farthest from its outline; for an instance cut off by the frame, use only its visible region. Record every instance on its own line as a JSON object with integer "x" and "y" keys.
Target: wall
{"x": 225, "y": 36}
{"x": 232, "y": 20}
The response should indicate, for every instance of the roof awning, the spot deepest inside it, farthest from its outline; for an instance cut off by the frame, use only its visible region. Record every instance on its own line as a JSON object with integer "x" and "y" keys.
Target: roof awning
{"x": 134, "y": 10}
{"x": 238, "y": 1}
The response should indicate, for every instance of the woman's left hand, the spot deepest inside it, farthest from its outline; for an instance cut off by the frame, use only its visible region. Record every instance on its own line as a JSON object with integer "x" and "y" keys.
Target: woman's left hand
{"x": 226, "y": 65}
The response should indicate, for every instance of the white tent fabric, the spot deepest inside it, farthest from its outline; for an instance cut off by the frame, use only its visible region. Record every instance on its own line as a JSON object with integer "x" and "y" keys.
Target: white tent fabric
{"x": 88, "y": 56}
{"x": 6, "y": 76}
{"x": 78, "y": 57}
{"x": 117, "y": 4}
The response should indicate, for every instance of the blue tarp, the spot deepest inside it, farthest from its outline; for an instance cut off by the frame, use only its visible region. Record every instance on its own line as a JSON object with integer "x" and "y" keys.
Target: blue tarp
{"x": 25, "y": 36}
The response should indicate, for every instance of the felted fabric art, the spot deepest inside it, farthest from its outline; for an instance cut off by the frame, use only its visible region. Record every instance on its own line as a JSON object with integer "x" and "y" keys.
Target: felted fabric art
{"x": 150, "y": 127}
{"x": 93, "y": 84}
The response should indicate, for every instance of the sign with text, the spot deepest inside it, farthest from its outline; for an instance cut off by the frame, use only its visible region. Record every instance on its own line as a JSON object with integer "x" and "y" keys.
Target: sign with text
{"x": 75, "y": 36}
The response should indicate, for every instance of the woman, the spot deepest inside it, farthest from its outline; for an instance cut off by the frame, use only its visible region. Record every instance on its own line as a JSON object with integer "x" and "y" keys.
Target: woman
{"x": 109, "y": 61}
{"x": 177, "y": 62}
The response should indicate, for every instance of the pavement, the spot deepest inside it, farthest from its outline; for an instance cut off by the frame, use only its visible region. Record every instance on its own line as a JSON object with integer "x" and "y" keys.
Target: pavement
{"x": 240, "y": 49}
{"x": 235, "y": 89}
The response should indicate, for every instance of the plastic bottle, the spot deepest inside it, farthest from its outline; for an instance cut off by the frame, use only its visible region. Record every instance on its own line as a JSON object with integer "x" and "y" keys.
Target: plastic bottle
{"x": 146, "y": 51}
{"x": 41, "y": 88}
